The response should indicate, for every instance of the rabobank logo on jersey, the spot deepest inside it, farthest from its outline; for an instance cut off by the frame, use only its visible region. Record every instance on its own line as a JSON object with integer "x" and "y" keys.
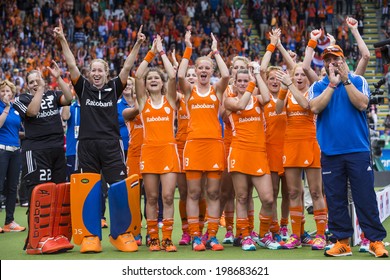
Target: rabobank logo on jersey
{"x": 202, "y": 106}
{"x": 249, "y": 119}
{"x": 99, "y": 103}
{"x": 157, "y": 119}
{"x": 48, "y": 113}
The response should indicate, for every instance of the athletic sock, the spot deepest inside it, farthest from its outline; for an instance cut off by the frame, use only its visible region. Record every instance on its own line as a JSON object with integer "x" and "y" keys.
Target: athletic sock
{"x": 296, "y": 219}
{"x": 321, "y": 220}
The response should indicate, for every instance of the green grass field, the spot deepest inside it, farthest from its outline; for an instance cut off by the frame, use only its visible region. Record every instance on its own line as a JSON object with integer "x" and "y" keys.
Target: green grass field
{"x": 11, "y": 245}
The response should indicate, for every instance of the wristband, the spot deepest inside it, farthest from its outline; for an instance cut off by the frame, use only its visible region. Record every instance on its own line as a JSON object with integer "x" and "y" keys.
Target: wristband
{"x": 289, "y": 85}
{"x": 162, "y": 53}
{"x": 332, "y": 86}
{"x": 271, "y": 47}
{"x": 312, "y": 44}
{"x": 215, "y": 52}
{"x": 282, "y": 94}
{"x": 149, "y": 57}
{"x": 250, "y": 87}
{"x": 187, "y": 53}
{"x": 5, "y": 112}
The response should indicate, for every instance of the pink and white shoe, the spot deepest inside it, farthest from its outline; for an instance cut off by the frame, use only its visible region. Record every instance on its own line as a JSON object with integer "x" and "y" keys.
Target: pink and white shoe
{"x": 292, "y": 243}
{"x": 185, "y": 239}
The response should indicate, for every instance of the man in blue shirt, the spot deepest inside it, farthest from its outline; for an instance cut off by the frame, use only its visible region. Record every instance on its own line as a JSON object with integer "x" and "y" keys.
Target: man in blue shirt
{"x": 340, "y": 100}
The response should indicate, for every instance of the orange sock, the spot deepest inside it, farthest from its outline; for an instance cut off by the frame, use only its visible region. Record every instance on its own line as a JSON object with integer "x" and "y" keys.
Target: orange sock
{"x": 212, "y": 226}
{"x": 229, "y": 220}
{"x": 152, "y": 228}
{"x": 193, "y": 226}
{"x": 274, "y": 228}
{"x": 167, "y": 228}
{"x": 303, "y": 224}
{"x": 265, "y": 223}
{"x": 296, "y": 219}
{"x": 251, "y": 220}
{"x": 243, "y": 226}
{"x": 284, "y": 222}
{"x": 320, "y": 218}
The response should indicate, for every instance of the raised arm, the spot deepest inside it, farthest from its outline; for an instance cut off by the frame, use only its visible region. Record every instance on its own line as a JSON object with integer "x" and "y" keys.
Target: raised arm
{"x": 4, "y": 115}
{"x": 66, "y": 99}
{"x": 286, "y": 55}
{"x": 171, "y": 94}
{"x": 130, "y": 113}
{"x": 129, "y": 62}
{"x": 287, "y": 83}
{"x": 263, "y": 97}
{"x": 223, "y": 82}
{"x": 139, "y": 76}
{"x": 69, "y": 57}
{"x": 309, "y": 53}
{"x": 185, "y": 86}
{"x": 274, "y": 36}
{"x": 365, "y": 53}
{"x": 35, "y": 105}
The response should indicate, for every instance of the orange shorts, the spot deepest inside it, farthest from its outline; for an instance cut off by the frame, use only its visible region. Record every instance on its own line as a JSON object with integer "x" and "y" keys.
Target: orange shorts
{"x": 180, "y": 148}
{"x": 159, "y": 159}
{"x": 132, "y": 164}
{"x": 275, "y": 158}
{"x": 303, "y": 153}
{"x": 204, "y": 155}
{"x": 249, "y": 162}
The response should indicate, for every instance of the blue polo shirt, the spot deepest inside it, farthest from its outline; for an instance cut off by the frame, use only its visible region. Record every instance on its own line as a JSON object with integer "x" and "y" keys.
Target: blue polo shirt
{"x": 9, "y": 132}
{"x": 341, "y": 127}
{"x": 122, "y": 104}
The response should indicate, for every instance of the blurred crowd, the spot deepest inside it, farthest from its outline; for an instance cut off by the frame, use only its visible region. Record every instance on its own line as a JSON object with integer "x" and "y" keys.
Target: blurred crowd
{"x": 107, "y": 29}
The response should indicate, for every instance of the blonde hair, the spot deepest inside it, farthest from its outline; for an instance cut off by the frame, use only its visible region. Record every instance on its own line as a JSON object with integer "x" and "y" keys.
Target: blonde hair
{"x": 197, "y": 61}
{"x": 5, "y": 83}
{"x": 105, "y": 65}
{"x": 238, "y": 57}
{"x": 272, "y": 68}
{"x": 133, "y": 82}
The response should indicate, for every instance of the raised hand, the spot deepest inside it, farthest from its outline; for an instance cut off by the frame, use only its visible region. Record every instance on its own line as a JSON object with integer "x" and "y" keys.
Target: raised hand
{"x": 315, "y": 34}
{"x": 159, "y": 46}
{"x": 56, "y": 70}
{"x": 141, "y": 36}
{"x": 352, "y": 23}
{"x": 214, "y": 44}
{"x": 58, "y": 31}
{"x": 275, "y": 36}
{"x": 331, "y": 39}
{"x": 283, "y": 77}
{"x": 187, "y": 39}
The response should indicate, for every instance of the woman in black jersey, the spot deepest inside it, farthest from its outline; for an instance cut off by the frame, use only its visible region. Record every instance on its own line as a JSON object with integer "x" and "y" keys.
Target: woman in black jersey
{"x": 100, "y": 148}
{"x": 43, "y": 155}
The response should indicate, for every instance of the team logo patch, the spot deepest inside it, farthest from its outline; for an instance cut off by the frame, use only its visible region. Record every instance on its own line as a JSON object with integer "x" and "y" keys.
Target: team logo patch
{"x": 213, "y": 97}
{"x": 167, "y": 110}
{"x": 257, "y": 110}
{"x": 84, "y": 181}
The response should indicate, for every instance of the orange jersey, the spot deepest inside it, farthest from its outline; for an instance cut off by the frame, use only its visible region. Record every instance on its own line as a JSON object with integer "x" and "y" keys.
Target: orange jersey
{"x": 136, "y": 136}
{"x": 275, "y": 124}
{"x": 182, "y": 122}
{"x": 203, "y": 111}
{"x": 300, "y": 121}
{"x": 248, "y": 127}
{"x": 158, "y": 122}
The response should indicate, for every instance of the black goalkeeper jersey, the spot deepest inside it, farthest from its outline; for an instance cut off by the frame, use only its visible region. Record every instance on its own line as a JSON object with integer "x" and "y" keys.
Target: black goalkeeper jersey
{"x": 98, "y": 113}
{"x": 45, "y": 130}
